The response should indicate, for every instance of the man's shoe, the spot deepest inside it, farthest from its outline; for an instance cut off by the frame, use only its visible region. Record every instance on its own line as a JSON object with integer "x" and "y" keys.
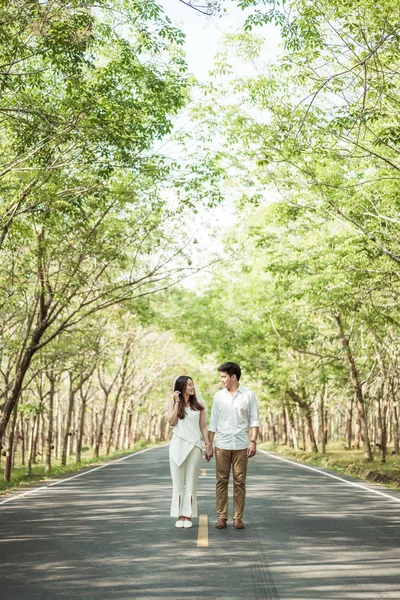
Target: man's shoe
{"x": 238, "y": 524}
{"x": 221, "y": 523}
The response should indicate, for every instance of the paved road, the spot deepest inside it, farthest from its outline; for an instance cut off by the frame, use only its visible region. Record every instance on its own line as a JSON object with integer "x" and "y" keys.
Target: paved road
{"x": 106, "y": 535}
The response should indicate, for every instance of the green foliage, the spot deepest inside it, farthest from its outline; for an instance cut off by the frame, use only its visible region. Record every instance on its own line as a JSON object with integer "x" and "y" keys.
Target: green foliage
{"x": 311, "y": 140}
{"x": 85, "y": 221}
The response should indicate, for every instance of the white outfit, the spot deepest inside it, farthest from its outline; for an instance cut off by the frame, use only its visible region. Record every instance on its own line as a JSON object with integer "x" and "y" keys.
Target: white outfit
{"x": 184, "y": 459}
{"x": 232, "y": 417}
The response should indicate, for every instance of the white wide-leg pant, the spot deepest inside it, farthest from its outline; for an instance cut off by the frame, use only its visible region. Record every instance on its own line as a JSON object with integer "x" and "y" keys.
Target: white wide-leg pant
{"x": 184, "y": 482}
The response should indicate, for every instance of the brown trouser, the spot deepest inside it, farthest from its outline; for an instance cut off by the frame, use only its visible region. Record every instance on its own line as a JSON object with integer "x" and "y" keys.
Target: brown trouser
{"x": 224, "y": 460}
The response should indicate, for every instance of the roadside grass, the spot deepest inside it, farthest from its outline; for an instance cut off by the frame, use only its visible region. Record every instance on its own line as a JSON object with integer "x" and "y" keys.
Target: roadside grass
{"x": 21, "y": 479}
{"x": 350, "y": 462}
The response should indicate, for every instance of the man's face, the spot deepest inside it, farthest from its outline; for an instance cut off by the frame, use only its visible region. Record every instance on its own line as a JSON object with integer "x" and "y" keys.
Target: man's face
{"x": 226, "y": 380}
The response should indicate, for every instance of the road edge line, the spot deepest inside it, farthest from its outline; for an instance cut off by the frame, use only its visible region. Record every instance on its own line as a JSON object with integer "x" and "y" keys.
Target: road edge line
{"x": 85, "y": 472}
{"x": 316, "y": 470}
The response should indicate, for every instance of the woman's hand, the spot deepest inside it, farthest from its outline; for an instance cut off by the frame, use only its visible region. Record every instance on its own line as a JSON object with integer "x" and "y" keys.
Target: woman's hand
{"x": 209, "y": 452}
{"x": 176, "y": 396}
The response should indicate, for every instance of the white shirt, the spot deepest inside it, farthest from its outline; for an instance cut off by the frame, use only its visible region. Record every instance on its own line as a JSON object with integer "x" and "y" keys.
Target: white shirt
{"x": 232, "y": 417}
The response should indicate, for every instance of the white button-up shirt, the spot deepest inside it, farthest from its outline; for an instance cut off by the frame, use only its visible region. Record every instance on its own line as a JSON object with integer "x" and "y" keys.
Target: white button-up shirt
{"x": 232, "y": 417}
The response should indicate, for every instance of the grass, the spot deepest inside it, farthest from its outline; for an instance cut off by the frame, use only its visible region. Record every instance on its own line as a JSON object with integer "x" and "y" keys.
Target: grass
{"x": 350, "y": 462}
{"x": 20, "y": 478}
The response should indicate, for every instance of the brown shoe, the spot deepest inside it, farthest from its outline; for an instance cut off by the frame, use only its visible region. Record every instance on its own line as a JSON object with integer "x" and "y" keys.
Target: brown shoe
{"x": 238, "y": 524}
{"x": 221, "y": 523}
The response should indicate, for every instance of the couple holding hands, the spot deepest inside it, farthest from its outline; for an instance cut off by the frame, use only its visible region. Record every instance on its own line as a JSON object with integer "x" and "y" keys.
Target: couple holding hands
{"x": 234, "y": 412}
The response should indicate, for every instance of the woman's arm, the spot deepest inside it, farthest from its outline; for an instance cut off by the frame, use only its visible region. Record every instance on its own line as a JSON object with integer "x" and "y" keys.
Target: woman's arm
{"x": 204, "y": 433}
{"x": 173, "y": 410}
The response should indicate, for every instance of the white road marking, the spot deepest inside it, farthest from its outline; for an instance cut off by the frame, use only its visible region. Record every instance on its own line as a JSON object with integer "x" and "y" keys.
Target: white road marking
{"x": 45, "y": 487}
{"x": 357, "y": 485}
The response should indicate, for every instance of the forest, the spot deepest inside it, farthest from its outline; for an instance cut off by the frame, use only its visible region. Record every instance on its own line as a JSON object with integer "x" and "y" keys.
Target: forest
{"x": 292, "y": 164}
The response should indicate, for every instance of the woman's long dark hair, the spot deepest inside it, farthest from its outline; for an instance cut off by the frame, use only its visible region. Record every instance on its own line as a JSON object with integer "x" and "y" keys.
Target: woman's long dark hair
{"x": 180, "y": 386}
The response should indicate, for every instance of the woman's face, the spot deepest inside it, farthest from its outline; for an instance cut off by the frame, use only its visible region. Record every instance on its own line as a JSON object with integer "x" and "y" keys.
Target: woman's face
{"x": 189, "y": 387}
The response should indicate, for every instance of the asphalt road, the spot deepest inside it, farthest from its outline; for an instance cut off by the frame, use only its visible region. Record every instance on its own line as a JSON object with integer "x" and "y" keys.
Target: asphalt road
{"x": 106, "y": 535}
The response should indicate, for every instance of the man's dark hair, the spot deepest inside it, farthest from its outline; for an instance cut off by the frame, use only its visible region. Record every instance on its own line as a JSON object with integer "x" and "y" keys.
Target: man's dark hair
{"x": 231, "y": 368}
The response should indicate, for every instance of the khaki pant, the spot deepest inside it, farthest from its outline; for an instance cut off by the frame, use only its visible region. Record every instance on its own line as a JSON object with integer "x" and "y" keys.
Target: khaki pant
{"x": 225, "y": 459}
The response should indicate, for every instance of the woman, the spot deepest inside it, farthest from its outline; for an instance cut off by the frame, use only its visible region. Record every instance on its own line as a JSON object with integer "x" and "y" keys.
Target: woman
{"x": 187, "y": 417}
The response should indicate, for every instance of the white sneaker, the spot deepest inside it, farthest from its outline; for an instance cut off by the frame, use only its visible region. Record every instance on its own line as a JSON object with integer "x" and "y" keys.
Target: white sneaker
{"x": 187, "y": 524}
{"x": 180, "y": 523}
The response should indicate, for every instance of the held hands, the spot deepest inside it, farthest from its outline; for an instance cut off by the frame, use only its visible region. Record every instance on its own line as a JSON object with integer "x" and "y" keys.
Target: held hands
{"x": 209, "y": 452}
{"x": 252, "y": 449}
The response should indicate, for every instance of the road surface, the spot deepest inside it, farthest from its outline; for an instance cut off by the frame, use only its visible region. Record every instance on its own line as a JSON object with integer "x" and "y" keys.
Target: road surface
{"x": 106, "y": 534}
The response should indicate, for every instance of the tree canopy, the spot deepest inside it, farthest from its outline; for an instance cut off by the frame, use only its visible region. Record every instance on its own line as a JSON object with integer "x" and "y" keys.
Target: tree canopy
{"x": 94, "y": 214}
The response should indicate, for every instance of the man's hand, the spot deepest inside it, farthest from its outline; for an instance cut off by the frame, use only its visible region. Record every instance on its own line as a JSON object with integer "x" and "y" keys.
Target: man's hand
{"x": 252, "y": 449}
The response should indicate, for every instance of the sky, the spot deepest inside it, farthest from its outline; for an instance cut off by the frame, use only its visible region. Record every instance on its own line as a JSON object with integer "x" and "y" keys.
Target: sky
{"x": 203, "y": 41}
{"x": 203, "y": 34}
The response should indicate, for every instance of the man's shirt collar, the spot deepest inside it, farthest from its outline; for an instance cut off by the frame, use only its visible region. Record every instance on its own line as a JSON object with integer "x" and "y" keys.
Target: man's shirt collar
{"x": 240, "y": 389}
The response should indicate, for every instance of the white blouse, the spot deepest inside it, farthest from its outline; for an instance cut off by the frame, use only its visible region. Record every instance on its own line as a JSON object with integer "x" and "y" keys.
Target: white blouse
{"x": 185, "y": 435}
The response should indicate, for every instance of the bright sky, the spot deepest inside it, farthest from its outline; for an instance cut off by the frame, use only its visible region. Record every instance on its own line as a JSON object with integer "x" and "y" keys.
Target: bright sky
{"x": 203, "y": 34}
{"x": 203, "y": 41}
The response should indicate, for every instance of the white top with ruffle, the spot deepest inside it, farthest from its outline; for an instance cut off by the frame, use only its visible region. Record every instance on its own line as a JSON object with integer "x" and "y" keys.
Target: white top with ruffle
{"x": 185, "y": 435}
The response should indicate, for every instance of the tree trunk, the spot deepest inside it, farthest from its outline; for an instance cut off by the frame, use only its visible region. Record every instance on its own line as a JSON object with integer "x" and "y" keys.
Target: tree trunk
{"x": 396, "y": 431}
{"x": 357, "y": 388}
{"x": 23, "y": 441}
{"x": 306, "y": 410}
{"x": 59, "y": 429}
{"x": 326, "y": 428}
{"x": 149, "y": 425}
{"x": 272, "y": 425}
{"x": 81, "y": 430}
{"x": 36, "y": 439}
{"x": 322, "y": 420}
{"x": 284, "y": 428}
{"x": 99, "y": 435}
{"x": 49, "y": 441}
{"x": 382, "y": 414}
{"x": 383, "y": 400}
{"x": 23, "y": 365}
{"x": 32, "y": 436}
{"x": 124, "y": 369}
{"x": 291, "y": 427}
{"x": 112, "y": 425}
{"x": 9, "y": 451}
{"x": 120, "y": 426}
{"x": 357, "y": 432}
{"x": 93, "y": 428}
{"x": 71, "y": 397}
{"x": 134, "y": 427}
{"x": 349, "y": 421}
{"x": 16, "y": 441}
{"x": 303, "y": 432}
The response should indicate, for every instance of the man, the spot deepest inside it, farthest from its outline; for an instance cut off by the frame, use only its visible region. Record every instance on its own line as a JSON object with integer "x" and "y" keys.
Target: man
{"x": 234, "y": 412}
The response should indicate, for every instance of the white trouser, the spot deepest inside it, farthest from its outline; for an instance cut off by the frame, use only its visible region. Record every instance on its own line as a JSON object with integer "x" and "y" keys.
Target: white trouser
{"x": 184, "y": 482}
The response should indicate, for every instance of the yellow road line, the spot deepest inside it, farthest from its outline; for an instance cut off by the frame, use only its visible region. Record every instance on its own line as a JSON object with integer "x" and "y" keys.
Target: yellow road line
{"x": 202, "y": 537}
{"x": 203, "y": 473}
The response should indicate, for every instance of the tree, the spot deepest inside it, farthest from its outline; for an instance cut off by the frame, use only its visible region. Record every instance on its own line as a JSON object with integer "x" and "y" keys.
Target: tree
{"x": 84, "y": 221}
